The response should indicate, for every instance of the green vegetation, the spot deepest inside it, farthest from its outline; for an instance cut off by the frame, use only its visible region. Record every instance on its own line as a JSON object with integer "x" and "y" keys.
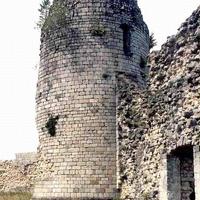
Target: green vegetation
{"x": 44, "y": 12}
{"x": 51, "y": 15}
{"x": 117, "y": 198}
{"x": 145, "y": 196}
{"x": 98, "y": 29}
{"x": 153, "y": 42}
{"x": 143, "y": 62}
{"x": 15, "y": 196}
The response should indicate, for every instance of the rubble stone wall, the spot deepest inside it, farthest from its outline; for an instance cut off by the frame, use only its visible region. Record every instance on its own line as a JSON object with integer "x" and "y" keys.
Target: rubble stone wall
{"x": 17, "y": 176}
{"x": 166, "y": 115}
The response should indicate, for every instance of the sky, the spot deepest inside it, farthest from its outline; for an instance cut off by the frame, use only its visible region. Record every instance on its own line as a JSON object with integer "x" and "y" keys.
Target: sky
{"x": 19, "y": 60}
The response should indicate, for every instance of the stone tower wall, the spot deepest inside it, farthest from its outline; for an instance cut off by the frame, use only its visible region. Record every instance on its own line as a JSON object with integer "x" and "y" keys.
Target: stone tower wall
{"x": 76, "y": 96}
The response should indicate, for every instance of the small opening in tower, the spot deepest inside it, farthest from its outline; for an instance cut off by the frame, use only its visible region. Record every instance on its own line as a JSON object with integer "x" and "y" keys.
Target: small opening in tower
{"x": 51, "y": 125}
{"x": 126, "y": 39}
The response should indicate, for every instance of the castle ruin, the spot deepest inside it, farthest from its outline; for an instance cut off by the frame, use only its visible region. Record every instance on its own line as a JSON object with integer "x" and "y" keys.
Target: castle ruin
{"x": 107, "y": 128}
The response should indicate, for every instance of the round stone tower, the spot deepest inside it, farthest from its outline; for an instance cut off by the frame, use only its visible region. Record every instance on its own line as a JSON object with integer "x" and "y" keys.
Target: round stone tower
{"x": 84, "y": 45}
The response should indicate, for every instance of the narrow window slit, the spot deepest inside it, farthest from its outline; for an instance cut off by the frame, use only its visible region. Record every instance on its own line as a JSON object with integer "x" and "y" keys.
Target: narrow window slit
{"x": 126, "y": 39}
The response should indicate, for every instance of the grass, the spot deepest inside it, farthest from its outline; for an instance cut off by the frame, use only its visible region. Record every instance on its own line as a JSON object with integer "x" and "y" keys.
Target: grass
{"x": 15, "y": 196}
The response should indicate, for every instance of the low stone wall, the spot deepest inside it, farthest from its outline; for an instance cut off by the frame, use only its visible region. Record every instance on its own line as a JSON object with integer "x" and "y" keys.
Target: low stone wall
{"x": 26, "y": 157}
{"x": 18, "y": 175}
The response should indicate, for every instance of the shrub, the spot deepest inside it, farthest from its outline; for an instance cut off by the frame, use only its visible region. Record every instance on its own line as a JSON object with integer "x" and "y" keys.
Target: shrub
{"x": 52, "y": 16}
{"x": 153, "y": 42}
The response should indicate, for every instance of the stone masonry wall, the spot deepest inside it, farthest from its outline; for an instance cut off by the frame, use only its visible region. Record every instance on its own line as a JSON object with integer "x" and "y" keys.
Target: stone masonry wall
{"x": 18, "y": 175}
{"x": 187, "y": 178}
{"x": 76, "y": 97}
{"x": 152, "y": 121}
{"x": 166, "y": 115}
{"x": 26, "y": 157}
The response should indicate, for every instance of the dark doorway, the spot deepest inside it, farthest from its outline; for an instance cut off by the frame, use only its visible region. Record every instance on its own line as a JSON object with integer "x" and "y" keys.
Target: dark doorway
{"x": 192, "y": 196}
{"x": 181, "y": 173}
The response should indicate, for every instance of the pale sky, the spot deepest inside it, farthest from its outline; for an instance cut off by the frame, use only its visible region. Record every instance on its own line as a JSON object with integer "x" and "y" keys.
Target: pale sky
{"x": 19, "y": 50}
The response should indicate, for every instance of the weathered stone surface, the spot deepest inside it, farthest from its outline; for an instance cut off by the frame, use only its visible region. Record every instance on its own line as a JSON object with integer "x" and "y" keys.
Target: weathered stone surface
{"x": 155, "y": 120}
{"x": 76, "y": 96}
{"x": 17, "y": 176}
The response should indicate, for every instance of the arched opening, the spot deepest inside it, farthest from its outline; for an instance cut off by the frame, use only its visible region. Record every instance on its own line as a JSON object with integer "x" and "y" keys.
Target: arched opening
{"x": 180, "y": 174}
